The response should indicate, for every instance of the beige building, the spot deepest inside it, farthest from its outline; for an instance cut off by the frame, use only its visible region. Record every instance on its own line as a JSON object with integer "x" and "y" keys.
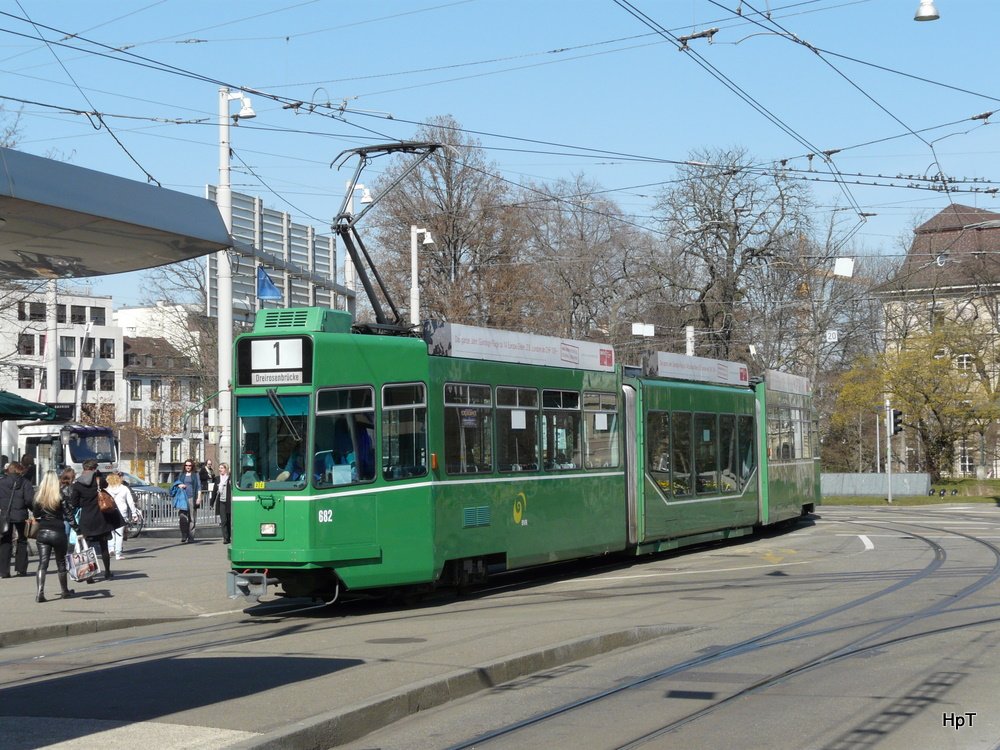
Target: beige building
{"x": 950, "y": 281}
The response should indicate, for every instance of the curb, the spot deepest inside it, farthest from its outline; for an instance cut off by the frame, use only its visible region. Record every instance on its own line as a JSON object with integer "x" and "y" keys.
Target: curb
{"x": 353, "y": 722}
{"x": 82, "y": 627}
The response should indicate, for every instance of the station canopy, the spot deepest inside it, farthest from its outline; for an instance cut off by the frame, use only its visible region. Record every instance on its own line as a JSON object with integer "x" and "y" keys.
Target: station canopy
{"x": 62, "y": 221}
{"x": 13, "y": 406}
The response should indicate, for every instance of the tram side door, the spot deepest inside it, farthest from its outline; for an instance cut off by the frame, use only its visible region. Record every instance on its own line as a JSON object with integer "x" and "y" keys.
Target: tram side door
{"x": 630, "y": 419}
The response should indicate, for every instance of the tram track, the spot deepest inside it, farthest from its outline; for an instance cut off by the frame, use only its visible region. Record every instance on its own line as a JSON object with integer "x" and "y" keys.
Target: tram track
{"x": 870, "y": 641}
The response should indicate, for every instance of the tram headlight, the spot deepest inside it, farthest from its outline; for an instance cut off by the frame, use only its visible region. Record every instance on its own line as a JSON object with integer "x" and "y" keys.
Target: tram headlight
{"x": 269, "y": 529}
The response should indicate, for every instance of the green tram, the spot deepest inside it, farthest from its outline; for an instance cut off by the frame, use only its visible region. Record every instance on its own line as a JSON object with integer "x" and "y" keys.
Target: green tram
{"x": 368, "y": 461}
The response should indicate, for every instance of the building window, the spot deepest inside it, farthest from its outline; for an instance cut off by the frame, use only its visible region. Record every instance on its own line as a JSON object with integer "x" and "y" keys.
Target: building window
{"x": 77, "y": 314}
{"x": 193, "y": 390}
{"x": 175, "y": 390}
{"x": 67, "y": 346}
{"x": 135, "y": 390}
{"x": 26, "y": 344}
{"x": 108, "y": 348}
{"x": 67, "y": 380}
{"x": 176, "y": 451}
{"x": 25, "y": 377}
{"x": 107, "y": 380}
{"x": 135, "y": 417}
{"x": 86, "y": 347}
{"x": 89, "y": 380}
{"x": 60, "y": 313}
{"x": 97, "y": 316}
{"x": 155, "y": 388}
{"x": 964, "y": 362}
{"x": 154, "y": 419}
{"x": 36, "y": 311}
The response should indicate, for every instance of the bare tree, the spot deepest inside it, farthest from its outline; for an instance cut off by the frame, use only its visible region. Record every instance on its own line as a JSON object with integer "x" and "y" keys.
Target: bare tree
{"x": 724, "y": 218}
{"x": 474, "y": 272}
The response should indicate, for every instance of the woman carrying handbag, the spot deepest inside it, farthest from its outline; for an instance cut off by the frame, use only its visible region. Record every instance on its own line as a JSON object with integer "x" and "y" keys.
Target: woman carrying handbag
{"x": 52, "y": 512}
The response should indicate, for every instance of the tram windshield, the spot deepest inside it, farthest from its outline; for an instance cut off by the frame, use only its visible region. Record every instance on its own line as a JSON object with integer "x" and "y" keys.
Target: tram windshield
{"x": 95, "y": 444}
{"x": 273, "y": 441}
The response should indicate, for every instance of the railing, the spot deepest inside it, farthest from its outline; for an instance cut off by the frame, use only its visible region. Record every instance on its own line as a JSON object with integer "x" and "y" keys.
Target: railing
{"x": 159, "y": 512}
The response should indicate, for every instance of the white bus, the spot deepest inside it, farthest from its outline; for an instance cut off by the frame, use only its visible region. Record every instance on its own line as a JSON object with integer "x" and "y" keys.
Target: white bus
{"x": 56, "y": 446}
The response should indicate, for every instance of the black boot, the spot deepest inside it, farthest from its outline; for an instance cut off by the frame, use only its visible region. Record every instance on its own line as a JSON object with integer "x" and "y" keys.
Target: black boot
{"x": 67, "y": 592}
{"x": 40, "y": 585}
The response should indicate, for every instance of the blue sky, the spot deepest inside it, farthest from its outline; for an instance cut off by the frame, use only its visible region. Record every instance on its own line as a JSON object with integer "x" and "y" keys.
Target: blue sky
{"x": 551, "y": 89}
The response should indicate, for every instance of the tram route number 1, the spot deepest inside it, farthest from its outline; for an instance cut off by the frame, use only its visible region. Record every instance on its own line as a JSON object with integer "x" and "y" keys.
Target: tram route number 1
{"x": 326, "y": 516}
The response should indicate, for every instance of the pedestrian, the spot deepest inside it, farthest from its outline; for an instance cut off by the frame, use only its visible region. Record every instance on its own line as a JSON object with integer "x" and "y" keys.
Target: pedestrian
{"x": 66, "y": 479}
{"x": 190, "y": 483}
{"x": 53, "y": 511}
{"x": 126, "y": 507}
{"x": 28, "y": 462}
{"x": 222, "y": 497}
{"x": 16, "y": 495}
{"x": 95, "y": 525}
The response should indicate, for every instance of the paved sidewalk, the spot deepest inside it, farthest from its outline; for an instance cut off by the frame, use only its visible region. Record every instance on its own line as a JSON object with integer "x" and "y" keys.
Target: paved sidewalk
{"x": 159, "y": 579}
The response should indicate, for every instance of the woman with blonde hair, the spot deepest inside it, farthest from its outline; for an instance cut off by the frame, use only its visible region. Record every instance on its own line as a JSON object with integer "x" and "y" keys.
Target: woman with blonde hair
{"x": 126, "y": 506}
{"x": 53, "y": 512}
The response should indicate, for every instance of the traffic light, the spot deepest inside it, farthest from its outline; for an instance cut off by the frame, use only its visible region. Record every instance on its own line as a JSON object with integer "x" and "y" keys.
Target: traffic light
{"x": 897, "y": 421}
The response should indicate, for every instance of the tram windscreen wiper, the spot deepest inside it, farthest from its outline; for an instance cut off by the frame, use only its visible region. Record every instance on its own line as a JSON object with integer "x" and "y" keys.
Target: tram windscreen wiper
{"x": 272, "y": 396}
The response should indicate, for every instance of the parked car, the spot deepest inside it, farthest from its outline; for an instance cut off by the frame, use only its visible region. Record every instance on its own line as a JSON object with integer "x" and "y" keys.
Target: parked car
{"x": 135, "y": 483}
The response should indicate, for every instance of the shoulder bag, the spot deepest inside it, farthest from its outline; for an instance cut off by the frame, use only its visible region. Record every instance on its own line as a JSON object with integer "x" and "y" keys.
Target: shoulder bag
{"x": 5, "y": 522}
{"x": 31, "y": 528}
{"x": 104, "y": 501}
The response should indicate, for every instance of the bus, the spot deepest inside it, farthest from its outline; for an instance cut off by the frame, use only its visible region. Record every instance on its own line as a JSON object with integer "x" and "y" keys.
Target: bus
{"x": 57, "y": 446}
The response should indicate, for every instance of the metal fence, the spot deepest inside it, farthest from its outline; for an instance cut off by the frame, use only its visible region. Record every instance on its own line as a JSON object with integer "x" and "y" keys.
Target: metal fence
{"x": 159, "y": 512}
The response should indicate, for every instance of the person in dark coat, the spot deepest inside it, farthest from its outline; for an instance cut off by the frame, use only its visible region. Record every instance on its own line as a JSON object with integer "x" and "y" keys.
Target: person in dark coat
{"x": 95, "y": 525}
{"x": 16, "y": 496}
{"x": 53, "y": 512}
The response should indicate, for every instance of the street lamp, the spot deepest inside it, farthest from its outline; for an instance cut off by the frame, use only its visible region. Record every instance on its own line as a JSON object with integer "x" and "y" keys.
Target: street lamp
{"x": 224, "y": 271}
{"x": 349, "y": 278}
{"x": 414, "y": 285}
{"x": 926, "y": 11}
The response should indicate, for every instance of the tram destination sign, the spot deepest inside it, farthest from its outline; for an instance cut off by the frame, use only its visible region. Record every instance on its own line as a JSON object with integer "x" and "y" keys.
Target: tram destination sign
{"x": 474, "y": 342}
{"x": 701, "y": 369}
{"x": 274, "y": 361}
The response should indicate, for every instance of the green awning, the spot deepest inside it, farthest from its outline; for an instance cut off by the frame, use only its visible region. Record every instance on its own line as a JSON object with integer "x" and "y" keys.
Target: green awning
{"x": 13, "y": 406}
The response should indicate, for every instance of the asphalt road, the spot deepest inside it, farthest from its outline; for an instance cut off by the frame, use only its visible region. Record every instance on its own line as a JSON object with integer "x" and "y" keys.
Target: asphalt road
{"x": 861, "y": 628}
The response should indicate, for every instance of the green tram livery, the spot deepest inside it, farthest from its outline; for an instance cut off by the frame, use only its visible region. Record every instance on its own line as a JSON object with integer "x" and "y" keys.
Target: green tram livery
{"x": 368, "y": 461}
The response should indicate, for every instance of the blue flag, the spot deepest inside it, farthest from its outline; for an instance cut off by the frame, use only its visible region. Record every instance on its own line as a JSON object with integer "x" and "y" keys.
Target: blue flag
{"x": 265, "y": 287}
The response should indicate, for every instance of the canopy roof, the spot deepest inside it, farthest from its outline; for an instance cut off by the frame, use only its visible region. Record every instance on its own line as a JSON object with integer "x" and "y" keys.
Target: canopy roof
{"x": 62, "y": 221}
{"x": 13, "y": 406}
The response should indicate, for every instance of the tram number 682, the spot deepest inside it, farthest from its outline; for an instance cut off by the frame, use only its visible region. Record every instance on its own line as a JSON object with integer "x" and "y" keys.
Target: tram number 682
{"x": 326, "y": 516}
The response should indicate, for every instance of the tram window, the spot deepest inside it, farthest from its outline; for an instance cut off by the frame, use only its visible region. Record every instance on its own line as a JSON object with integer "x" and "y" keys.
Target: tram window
{"x": 517, "y": 429}
{"x": 561, "y": 430}
{"x": 680, "y": 465}
{"x": 658, "y": 448}
{"x": 272, "y": 441}
{"x": 344, "y": 449}
{"x": 468, "y": 429}
{"x": 729, "y": 455}
{"x": 404, "y": 431}
{"x": 748, "y": 457}
{"x": 706, "y": 453}
{"x": 600, "y": 429}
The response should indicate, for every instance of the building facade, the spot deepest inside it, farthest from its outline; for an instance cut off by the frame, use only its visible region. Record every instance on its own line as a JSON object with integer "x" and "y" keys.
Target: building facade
{"x": 946, "y": 298}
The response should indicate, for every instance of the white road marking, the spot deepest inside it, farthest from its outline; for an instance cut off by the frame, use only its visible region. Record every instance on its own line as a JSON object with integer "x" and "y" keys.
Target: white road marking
{"x": 866, "y": 541}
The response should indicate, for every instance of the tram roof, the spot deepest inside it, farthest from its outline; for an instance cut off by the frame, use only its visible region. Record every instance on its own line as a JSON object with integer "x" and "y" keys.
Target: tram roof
{"x": 698, "y": 369}
{"x": 58, "y": 220}
{"x": 474, "y": 342}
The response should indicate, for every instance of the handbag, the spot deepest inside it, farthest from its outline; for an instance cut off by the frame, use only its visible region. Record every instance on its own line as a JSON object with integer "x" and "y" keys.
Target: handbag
{"x": 82, "y": 561}
{"x": 31, "y": 528}
{"x": 104, "y": 501}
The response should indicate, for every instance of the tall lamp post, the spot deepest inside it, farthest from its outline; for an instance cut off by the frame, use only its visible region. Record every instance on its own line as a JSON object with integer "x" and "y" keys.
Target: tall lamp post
{"x": 349, "y": 278}
{"x": 414, "y": 285}
{"x": 224, "y": 271}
